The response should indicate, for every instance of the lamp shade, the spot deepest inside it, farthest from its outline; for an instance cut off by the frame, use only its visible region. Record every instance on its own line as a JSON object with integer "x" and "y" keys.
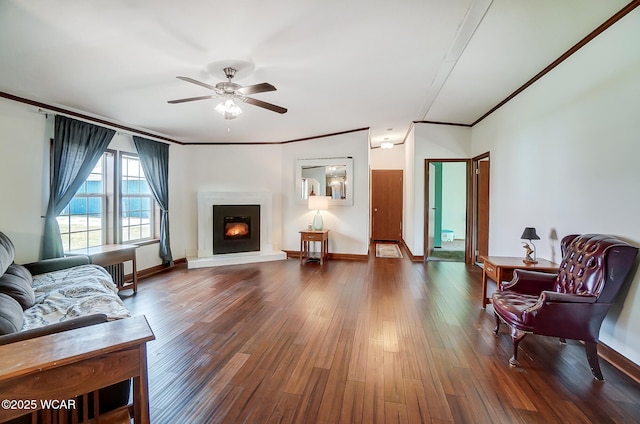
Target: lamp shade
{"x": 318, "y": 202}
{"x": 529, "y": 233}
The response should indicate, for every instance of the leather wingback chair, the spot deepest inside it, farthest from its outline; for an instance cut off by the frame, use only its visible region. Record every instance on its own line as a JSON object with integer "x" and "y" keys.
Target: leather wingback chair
{"x": 572, "y": 303}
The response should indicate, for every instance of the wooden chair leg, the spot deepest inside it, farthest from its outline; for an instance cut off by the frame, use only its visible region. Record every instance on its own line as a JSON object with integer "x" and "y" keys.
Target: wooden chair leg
{"x": 516, "y": 338}
{"x": 594, "y": 362}
{"x": 497, "y": 329}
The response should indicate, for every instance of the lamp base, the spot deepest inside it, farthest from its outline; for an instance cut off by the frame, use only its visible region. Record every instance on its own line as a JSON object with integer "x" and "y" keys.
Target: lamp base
{"x": 529, "y": 261}
{"x": 317, "y": 222}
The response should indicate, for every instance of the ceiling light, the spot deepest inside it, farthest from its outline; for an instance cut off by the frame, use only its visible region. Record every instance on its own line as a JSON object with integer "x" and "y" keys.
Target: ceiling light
{"x": 386, "y": 145}
{"x": 228, "y": 108}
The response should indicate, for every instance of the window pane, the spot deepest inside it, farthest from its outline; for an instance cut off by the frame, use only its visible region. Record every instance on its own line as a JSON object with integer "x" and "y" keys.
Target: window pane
{"x": 78, "y": 240}
{"x": 81, "y": 222}
{"x": 145, "y": 231}
{"x": 136, "y": 203}
{"x": 94, "y": 238}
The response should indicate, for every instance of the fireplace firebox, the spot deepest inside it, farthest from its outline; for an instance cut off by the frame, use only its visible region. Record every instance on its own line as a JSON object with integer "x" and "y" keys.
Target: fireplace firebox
{"x": 236, "y": 228}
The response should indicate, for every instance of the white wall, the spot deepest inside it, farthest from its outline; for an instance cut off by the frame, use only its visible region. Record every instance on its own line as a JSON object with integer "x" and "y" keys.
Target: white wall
{"x": 233, "y": 168}
{"x": 24, "y": 172}
{"x": 408, "y": 196}
{"x": 349, "y": 225}
{"x": 387, "y": 158}
{"x": 430, "y": 141}
{"x": 564, "y": 157}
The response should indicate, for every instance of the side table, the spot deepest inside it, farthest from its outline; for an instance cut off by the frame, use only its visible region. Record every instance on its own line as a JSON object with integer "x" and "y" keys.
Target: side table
{"x": 500, "y": 268}
{"x": 310, "y": 236}
{"x": 109, "y": 255}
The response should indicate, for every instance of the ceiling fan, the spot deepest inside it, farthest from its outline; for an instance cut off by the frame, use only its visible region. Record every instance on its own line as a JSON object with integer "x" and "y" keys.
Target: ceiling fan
{"x": 229, "y": 91}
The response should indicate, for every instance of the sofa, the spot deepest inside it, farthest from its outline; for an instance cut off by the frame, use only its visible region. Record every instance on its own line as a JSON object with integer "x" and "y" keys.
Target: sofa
{"x": 55, "y": 295}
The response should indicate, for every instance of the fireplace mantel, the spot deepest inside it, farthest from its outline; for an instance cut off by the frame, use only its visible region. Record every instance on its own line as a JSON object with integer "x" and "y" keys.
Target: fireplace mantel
{"x": 206, "y": 258}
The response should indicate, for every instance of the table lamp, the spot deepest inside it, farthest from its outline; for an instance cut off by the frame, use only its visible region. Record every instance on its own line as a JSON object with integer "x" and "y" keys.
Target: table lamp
{"x": 318, "y": 203}
{"x": 529, "y": 233}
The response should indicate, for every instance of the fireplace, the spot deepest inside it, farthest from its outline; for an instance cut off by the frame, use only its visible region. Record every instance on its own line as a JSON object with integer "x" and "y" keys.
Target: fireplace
{"x": 236, "y": 228}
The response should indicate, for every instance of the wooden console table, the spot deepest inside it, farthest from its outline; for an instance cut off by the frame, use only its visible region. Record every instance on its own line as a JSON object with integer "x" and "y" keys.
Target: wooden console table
{"x": 109, "y": 255}
{"x": 500, "y": 268}
{"x": 59, "y": 367}
{"x": 310, "y": 236}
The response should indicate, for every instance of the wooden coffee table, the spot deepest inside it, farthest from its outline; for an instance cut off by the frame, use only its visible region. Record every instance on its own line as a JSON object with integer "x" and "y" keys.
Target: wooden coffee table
{"x": 500, "y": 268}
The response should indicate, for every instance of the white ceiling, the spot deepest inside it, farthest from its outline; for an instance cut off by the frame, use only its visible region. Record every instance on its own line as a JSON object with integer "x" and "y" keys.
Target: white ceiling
{"x": 338, "y": 65}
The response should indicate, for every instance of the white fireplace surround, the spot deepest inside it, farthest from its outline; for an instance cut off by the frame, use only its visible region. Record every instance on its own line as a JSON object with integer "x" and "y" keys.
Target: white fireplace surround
{"x": 206, "y": 258}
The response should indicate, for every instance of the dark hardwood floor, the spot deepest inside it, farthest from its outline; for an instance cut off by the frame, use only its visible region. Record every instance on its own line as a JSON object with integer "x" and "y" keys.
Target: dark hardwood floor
{"x": 382, "y": 341}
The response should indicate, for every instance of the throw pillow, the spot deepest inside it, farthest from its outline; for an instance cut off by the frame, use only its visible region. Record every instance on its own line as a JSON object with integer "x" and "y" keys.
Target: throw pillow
{"x": 11, "y": 316}
{"x": 16, "y": 282}
{"x": 7, "y": 252}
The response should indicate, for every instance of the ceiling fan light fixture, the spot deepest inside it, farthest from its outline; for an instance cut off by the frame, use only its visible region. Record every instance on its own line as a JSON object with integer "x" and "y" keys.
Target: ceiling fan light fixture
{"x": 228, "y": 108}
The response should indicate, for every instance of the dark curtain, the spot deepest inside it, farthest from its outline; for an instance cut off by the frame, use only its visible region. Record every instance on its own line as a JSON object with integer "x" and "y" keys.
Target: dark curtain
{"x": 77, "y": 146}
{"x": 154, "y": 158}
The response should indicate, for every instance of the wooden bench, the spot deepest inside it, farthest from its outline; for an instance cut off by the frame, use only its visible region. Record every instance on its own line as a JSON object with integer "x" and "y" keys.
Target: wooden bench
{"x": 43, "y": 376}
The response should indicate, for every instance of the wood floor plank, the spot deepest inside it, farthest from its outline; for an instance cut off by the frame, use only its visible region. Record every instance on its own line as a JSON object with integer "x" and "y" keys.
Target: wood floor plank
{"x": 378, "y": 341}
{"x": 374, "y": 384}
{"x": 353, "y": 403}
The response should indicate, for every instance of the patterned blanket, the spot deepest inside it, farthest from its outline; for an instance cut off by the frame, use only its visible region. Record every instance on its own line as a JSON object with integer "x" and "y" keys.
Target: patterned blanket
{"x": 71, "y": 293}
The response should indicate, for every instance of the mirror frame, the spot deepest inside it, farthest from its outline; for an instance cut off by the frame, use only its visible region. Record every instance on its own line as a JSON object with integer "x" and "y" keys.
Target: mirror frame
{"x": 346, "y": 161}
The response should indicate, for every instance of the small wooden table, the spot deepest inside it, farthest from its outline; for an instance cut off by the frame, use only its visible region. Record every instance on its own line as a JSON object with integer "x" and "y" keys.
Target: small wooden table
{"x": 113, "y": 254}
{"x": 310, "y": 236}
{"x": 62, "y": 366}
{"x": 500, "y": 268}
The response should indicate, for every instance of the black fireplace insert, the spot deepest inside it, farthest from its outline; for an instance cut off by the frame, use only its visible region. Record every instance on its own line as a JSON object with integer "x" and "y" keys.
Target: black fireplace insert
{"x": 236, "y": 228}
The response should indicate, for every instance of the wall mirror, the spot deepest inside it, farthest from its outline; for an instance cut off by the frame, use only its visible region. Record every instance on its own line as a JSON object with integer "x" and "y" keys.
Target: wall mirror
{"x": 325, "y": 177}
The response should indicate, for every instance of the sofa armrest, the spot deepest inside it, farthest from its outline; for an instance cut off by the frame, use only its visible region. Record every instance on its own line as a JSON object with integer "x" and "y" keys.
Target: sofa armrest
{"x": 56, "y": 264}
{"x": 530, "y": 282}
{"x": 58, "y": 327}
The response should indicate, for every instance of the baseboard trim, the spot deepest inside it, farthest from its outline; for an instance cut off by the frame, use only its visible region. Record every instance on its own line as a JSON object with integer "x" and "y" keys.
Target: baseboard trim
{"x": 411, "y": 255}
{"x": 155, "y": 269}
{"x": 630, "y": 369}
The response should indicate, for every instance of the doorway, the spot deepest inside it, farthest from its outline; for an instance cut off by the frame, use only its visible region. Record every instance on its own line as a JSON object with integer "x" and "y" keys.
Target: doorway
{"x": 448, "y": 189}
{"x": 386, "y": 205}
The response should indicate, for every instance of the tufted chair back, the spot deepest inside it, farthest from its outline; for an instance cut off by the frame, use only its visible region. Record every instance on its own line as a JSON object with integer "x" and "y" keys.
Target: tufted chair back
{"x": 587, "y": 266}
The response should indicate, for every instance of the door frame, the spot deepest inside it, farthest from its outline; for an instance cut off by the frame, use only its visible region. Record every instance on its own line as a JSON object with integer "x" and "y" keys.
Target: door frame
{"x": 469, "y": 203}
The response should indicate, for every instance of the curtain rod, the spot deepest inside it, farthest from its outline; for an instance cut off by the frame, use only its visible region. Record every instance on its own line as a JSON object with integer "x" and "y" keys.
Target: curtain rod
{"x": 120, "y": 129}
{"x": 55, "y": 110}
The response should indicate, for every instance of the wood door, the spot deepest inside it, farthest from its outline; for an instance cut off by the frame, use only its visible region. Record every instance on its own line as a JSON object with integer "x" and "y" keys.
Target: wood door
{"x": 482, "y": 176}
{"x": 386, "y": 202}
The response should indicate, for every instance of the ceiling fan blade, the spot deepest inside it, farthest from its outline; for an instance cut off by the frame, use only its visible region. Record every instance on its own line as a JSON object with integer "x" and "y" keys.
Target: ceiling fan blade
{"x": 190, "y": 99}
{"x": 257, "y": 88}
{"x": 265, "y": 105}
{"x": 192, "y": 81}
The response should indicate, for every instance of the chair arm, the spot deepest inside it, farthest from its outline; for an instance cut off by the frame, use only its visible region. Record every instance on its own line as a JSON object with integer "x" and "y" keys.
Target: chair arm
{"x": 569, "y": 316}
{"x": 551, "y": 296}
{"x": 529, "y": 282}
{"x": 56, "y": 264}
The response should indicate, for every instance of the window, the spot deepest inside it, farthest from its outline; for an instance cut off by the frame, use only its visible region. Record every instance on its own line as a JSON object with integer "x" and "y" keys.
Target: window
{"x": 137, "y": 206}
{"x": 82, "y": 221}
{"x": 114, "y": 205}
